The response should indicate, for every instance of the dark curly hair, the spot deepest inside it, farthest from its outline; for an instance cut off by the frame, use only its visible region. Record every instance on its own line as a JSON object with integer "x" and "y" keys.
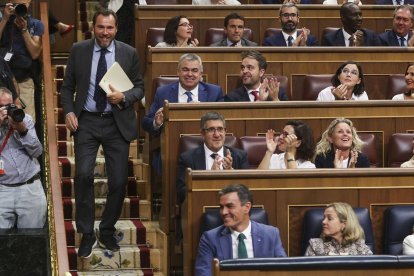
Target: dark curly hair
{"x": 360, "y": 87}
{"x": 170, "y": 33}
{"x": 304, "y": 133}
{"x": 409, "y": 92}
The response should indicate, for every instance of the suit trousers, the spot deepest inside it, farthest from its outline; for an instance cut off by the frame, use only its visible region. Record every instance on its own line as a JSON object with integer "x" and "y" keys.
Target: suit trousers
{"x": 92, "y": 132}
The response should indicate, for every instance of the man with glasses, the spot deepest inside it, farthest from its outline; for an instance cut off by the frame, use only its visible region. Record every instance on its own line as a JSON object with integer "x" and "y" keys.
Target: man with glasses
{"x": 401, "y": 33}
{"x": 290, "y": 36}
{"x": 234, "y": 29}
{"x": 252, "y": 70}
{"x": 188, "y": 88}
{"x": 212, "y": 155}
{"x": 351, "y": 34}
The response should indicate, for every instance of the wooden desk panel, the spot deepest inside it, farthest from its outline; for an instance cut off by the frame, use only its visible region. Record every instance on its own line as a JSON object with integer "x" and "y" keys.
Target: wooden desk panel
{"x": 287, "y": 194}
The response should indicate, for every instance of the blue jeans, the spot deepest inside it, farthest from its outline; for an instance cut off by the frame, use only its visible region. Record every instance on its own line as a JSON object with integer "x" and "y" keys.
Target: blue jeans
{"x": 25, "y": 205}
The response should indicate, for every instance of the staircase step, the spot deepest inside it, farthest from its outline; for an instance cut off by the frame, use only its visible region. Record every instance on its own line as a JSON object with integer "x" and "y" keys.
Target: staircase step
{"x": 135, "y": 167}
{"x": 123, "y": 272}
{"x": 103, "y": 259}
{"x": 134, "y": 187}
{"x": 129, "y": 210}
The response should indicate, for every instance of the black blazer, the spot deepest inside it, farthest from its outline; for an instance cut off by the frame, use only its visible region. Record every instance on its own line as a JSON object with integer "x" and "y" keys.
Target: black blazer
{"x": 279, "y": 40}
{"x": 223, "y": 43}
{"x": 240, "y": 95}
{"x": 337, "y": 38}
{"x": 77, "y": 78}
{"x": 195, "y": 159}
{"x": 389, "y": 38}
{"x": 327, "y": 161}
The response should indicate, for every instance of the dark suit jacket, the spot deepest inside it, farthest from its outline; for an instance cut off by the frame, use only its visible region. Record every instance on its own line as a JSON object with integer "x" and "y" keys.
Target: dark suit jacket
{"x": 244, "y": 42}
{"x": 327, "y": 161}
{"x": 281, "y": 2}
{"x": 389, "y": 2}
{"x": 240, "y": 95}
{"x": 206, "y": 93}
{"x": 279, "y": 40}
{"x": 216, "y": 243}
{"x": 337, "y": 38}
{"x": 389, "y": 38}
{"x": 77, "y": 78}
{"x": 195, "y": 159}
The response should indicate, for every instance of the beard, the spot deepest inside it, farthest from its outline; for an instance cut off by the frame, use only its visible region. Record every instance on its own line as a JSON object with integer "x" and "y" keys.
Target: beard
{"x": 289, "y": 27}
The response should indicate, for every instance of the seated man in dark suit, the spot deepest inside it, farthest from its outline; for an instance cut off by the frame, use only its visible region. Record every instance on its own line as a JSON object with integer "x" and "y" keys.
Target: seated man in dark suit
{"x": 189, "y": 88}
{"x": 290, "y": 36}
{"x": 238, "y": 237}
{"x": 401, "y": 34}
{"x": 252, "y": 70}
{"x": 395, "y": 2}
{"x": 351, "y": 34}
{"x": 234, "y": 29}
{"x": 212, "y": 155}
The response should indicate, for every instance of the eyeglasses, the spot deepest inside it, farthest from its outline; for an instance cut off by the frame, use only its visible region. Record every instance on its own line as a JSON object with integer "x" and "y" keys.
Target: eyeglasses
{"x": 287, "y": 15}
{"x": 353, "y": 72}
{"x": 284, "y": 134}
{"x": 185, "y": 24}
{"x": 212, "y": 130}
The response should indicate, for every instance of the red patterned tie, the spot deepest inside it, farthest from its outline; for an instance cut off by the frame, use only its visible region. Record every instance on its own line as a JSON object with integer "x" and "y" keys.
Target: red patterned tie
{"x": 255, "y": 93}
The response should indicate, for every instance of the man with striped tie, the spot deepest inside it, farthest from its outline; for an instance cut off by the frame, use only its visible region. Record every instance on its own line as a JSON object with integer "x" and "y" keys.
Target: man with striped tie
{"x": 238, "y": 237}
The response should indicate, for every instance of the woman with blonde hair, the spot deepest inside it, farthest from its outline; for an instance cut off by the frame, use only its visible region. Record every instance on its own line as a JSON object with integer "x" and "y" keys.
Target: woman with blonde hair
{"x": 340, "y": 147}
{"x": 341, "y": 233}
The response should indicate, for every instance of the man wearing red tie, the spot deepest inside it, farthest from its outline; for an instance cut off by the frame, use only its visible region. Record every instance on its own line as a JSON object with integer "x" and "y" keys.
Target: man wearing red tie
{"x": 255, "y": 86}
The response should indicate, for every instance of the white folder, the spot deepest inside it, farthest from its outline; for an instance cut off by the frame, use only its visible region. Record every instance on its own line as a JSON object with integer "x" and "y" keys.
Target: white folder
{"x": 117, "y": 77}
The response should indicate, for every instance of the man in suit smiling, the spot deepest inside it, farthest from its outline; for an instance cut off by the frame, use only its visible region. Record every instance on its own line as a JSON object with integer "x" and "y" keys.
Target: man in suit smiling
{"x": 401, "y": 33}
{"x": 96, "y": 118}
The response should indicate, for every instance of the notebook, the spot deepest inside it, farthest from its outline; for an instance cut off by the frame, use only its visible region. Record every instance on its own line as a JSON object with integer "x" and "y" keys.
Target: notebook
{"x": 117, "y": 78}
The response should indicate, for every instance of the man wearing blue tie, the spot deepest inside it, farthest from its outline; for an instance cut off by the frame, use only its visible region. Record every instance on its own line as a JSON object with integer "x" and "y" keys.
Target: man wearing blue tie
{"x": 401, "y": 33}
{"x": 238, "y": 237}
{"x": 188, "y": 88}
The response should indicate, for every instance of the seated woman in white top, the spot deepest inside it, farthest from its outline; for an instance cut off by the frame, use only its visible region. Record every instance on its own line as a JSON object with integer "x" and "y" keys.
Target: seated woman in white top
{"x": 178, "y": 32}
{"x": 296, "y": 144}
{"x": 408, "y": 244}
{"x": 216, "y": 2}
{"x": 409, "y": 82}
{"x": 340, "y": 2}
{"x": 348, "y": 84}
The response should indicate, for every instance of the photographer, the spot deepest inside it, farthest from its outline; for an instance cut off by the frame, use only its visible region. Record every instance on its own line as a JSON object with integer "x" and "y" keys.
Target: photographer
{"x": 22, "y": 198}
{"x": 20, "y": 40}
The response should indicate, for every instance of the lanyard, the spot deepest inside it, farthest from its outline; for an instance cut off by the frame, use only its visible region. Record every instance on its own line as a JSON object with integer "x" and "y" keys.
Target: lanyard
{"x": 6, "y": 140}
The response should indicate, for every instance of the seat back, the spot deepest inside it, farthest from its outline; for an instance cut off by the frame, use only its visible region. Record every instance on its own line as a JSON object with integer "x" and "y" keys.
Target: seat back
{"x": 396, "y": 85}
{"x": 255, "y": 147}
{"x": 188, "y": 142}
{"x": 328, "y": 30}
{"x": 312, "y": 226}
{"x": 400, "y": 148}
{"x": 154, "y": 36}
{"x": 157, "y": 82}
{"x": 313, "y": 84}
{"x": 370, "y": 148}
{"x": 216, "y": 34}
{"x": 211, "y": 218}
{"x": 398, "y": 223}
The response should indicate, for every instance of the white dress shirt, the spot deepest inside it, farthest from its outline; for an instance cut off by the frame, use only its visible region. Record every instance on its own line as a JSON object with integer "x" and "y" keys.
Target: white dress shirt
{"x": 248, "y": 241}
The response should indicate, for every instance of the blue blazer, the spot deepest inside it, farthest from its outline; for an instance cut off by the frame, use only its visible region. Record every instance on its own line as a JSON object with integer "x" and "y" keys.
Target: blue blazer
{"x": 195, "y": 159}
{"x": 216, "y": 243}
{"x": 206, "y": 93}
{"x": 337, "y": 38}
{"x": 389, "y": 38}
{"x": 240, "y": 95}
{"x": 279, "y": 40}
{"x": 389, "y": 2}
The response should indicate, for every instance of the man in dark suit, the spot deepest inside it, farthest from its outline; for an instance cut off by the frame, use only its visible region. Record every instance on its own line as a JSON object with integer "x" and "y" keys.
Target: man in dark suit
{"x": 212, "y": 155}
{"x": 234, "y": 29}
{"x": 351, "y": 34}
{"x": 189, "y": 88}
{"x": 238, "y": 237}
{"x": 95, "y": 118}
{"x": 402, "y": 23}
{"x": 252, "y": 72}
{"x": 395, "y": 2}
{"x": 290, "y": 36}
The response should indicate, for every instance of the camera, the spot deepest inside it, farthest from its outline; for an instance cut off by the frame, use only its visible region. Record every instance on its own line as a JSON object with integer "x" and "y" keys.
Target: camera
{"x": 19, "y": 9}
{"x": 15, "y": 113}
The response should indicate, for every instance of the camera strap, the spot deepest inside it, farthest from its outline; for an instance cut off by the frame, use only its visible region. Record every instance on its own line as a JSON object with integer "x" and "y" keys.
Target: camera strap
{"x": 6, "y": 140}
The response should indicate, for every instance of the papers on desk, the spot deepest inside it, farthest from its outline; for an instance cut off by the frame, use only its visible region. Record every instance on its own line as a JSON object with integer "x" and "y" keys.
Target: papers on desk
{"x": 117, "y": 77}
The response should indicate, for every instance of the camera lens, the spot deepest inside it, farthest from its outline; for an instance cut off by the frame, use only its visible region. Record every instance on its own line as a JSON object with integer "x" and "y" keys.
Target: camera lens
{"x": 20, "y": 10}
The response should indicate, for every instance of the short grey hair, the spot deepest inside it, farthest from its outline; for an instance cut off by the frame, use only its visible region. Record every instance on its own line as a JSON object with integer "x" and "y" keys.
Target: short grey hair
{"x": 190, "y": 57}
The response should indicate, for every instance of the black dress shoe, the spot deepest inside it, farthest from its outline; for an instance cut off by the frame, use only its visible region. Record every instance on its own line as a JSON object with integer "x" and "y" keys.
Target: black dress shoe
{"x": 108, "y": 242}
{"x": 88, "y": 242}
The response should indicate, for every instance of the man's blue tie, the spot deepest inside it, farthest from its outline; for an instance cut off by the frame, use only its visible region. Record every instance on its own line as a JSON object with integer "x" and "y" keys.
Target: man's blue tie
{"x": 290, "y": 38}
{"x": 100, "y": 95}
{"x": 402, "y": 41}
{"x": 189, "y": 95}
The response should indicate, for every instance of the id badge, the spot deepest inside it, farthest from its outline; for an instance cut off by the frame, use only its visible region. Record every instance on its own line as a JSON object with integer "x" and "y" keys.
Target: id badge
{"x": 8, "y": 56}
{"x": 2, "y": 167}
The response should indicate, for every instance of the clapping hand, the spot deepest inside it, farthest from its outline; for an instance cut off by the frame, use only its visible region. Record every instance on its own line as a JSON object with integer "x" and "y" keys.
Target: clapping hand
{"x": 272, "y": 141}
{"x": 269, "y": 90}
